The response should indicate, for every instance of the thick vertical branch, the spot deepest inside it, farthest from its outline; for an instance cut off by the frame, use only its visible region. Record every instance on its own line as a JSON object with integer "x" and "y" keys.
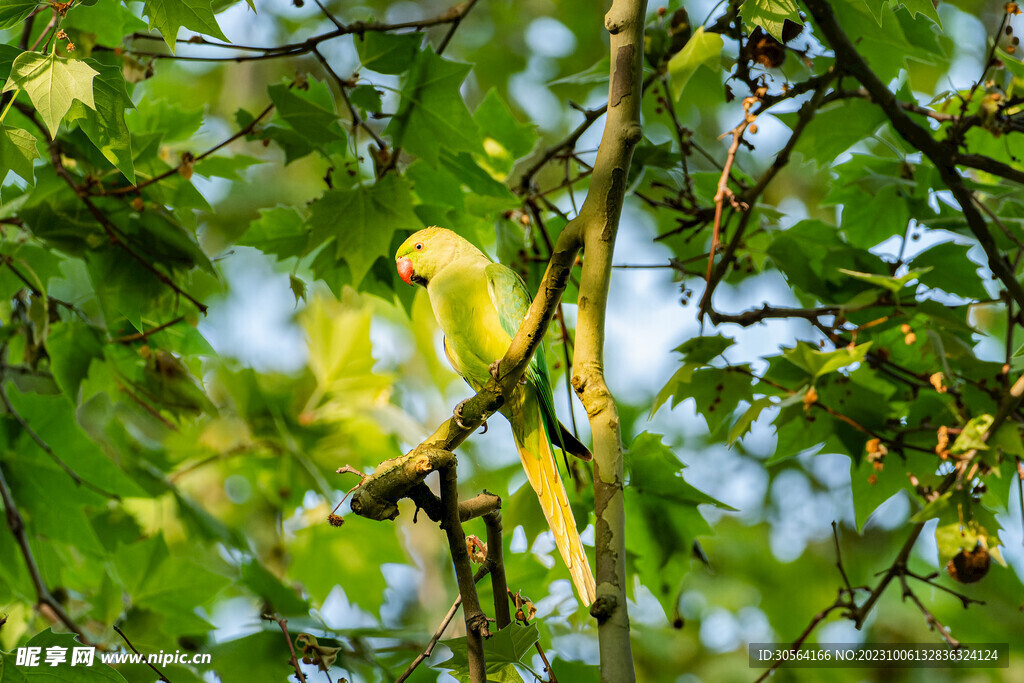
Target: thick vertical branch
{"x": 599, "y": 220}
{"x": 476, "y": 622}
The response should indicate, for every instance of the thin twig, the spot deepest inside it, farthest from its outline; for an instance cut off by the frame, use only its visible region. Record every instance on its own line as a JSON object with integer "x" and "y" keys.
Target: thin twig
{"x": 283, "y": 623}
{"x": 140, "y": 336}
{"x": 468, "y": 5}
{"x": 933, "y": 622}
{"x": 161, "y": 674}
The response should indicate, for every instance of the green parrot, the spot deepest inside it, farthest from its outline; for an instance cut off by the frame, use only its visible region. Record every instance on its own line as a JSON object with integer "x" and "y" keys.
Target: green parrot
{"x": 479, "y": 306}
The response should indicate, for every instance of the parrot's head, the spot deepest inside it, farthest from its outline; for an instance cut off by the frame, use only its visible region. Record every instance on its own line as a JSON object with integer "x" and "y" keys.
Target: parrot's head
{"x": 425, "y": 253}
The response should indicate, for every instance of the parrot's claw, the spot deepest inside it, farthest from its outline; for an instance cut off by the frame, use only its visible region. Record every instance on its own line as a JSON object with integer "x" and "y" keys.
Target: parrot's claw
{"x": 458, "y": 413}
{"x": 458, "y": 417}
{"x": 495, "y": 369}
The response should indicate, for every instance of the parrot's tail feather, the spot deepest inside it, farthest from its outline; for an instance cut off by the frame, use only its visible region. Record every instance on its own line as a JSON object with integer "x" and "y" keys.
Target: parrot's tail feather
{"x": 542, "y": 473}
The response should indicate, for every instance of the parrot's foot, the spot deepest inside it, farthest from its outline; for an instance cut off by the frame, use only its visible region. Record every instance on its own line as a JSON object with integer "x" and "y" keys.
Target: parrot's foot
{"x": 457, "y": 415}
{"x": 495, "y": 368}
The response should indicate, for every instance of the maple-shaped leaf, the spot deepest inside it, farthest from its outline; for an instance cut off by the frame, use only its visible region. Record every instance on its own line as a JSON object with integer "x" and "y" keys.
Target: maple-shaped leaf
{"x": 433, "y": 116}
{"x": 770, "y": 15}
{"x": 362, "y": 221}
{"x": 168, "y": 16}
{"x": 52, "y": 83}
{"x": 105, "y": 125}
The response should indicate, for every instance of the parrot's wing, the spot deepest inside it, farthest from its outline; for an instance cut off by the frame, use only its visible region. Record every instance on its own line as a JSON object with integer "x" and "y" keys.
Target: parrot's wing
{"x": 509, "y": 295}
{"x": 512, "y": 301}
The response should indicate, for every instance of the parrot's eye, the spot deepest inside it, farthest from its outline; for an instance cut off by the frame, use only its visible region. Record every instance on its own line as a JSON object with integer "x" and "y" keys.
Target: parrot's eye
{"x": 419, "y": 246}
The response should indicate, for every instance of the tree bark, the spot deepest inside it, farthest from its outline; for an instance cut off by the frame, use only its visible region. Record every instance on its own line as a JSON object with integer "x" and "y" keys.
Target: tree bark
{"x": 599, "y": 217}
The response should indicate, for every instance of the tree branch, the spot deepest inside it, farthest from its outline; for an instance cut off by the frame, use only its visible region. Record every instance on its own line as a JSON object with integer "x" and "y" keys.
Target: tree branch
{"x": 476, "y": 622}
{"x": 598, "y": 221}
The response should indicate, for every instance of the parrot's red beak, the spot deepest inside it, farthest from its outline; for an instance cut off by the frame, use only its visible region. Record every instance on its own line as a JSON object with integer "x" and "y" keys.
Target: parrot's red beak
{"x": 405, "y": 270}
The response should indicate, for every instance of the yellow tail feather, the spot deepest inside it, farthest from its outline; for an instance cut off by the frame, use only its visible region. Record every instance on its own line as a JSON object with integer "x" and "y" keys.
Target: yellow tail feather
{"x": 542, "y": 472}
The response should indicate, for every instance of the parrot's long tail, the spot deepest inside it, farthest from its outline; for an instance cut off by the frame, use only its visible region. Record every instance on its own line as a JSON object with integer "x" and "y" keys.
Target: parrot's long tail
{"x": 542, "y": 472}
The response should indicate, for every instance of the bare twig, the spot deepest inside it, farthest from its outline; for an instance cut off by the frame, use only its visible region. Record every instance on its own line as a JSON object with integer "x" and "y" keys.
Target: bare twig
{"x": 933, "y": 622}
{"x": 721, "y": 195}
{"x": 465, "y": 7}
{"x": 141, "y": 336}
{"x": 283, "y": 623}
{"x": 161, "y": 674}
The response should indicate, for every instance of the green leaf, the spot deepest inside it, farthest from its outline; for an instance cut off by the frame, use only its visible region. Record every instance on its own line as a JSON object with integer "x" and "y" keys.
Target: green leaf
{"x": 278, "y": 597}
{"x": 170, "y": 121}
{"x": 817, "y": 363}
{"x": 833, "y": 131}
{"x": 505, "y": 138}
{"x": 925, "y": 7}
{"x": 52, "y": 83}
{"x": 280, "y": 230}
{"x": 972, "y": 436}
{"x": 890, "y": 282}
{"x": 168, "y": 16}
{"x": 250, "y": 658}
{"x": 366, "y": 97}
{"x": 72, "y": 347}
{"x": 950, "y": 270}
{"x": 105, "y": 124}
{"x": 702, "y": 49}
{"x": 158, "y": 579}
{"x": 432, "y": 115}
{"x": 14, "y": 12}
{"x": 915, "y": 7}
{"x": 225, "y": 167}
{"x": 662, "y": 517}
{"x": 770, "y": 15}
{"x": 704, "y": 349}
{"x": 344, "y": 550}
{"x": 307, "y": 112}
{"x": 502, "y": 652}
{"x": 363, "y": 219}
{"x": 109, "y": 20}
{"x": 53, "y": 418}
{"x": 298, "y": 287}
{"x": 742, "y": 425}
{"x": 17, "y": 150}
{"x": 387, "y": 53}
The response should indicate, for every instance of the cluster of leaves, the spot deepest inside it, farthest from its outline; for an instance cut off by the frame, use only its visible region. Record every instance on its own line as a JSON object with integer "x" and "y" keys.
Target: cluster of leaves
{"x": 185, "y": 479}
